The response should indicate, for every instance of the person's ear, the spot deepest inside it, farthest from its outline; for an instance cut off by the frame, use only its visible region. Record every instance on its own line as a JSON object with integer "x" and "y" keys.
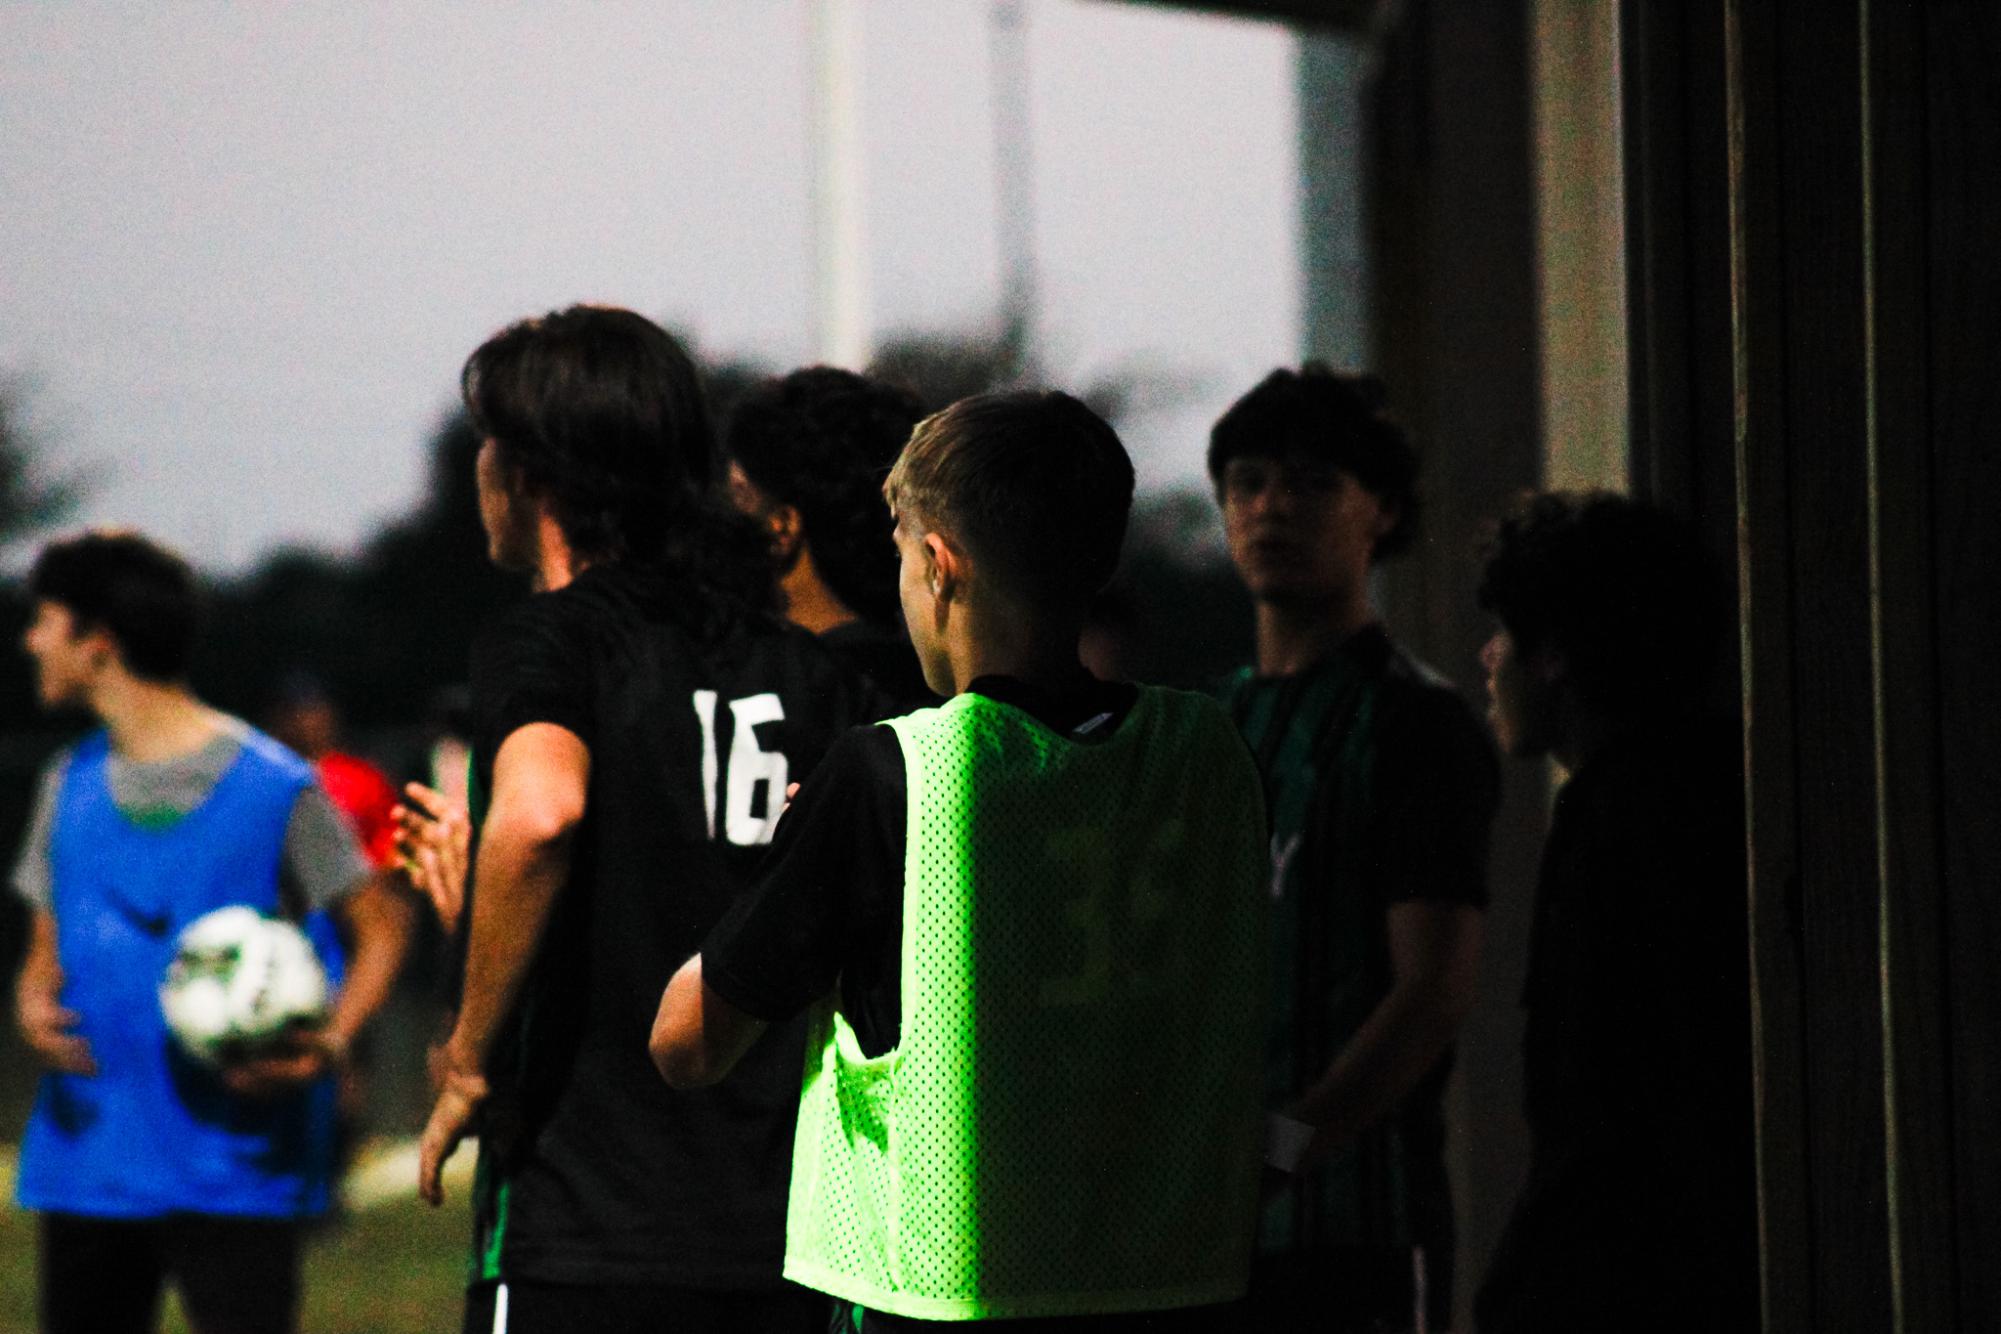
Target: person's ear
{"x": 945, "y": 568}
{"x": 787, "y": 529}
{"x": 100, "y": 648}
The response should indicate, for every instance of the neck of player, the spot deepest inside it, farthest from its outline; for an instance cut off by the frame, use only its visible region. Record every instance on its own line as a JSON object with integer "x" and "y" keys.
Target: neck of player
{"x": 555, "y": 563}
{"x": 151, "y": 721}
{"x": 1295, "y": 634}
{"x": 1034, "y": 652}
{"x": 809, "y": 603}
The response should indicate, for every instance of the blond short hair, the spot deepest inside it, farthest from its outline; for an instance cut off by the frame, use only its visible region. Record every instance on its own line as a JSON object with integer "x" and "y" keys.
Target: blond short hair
{"x": 1036, "y": 485}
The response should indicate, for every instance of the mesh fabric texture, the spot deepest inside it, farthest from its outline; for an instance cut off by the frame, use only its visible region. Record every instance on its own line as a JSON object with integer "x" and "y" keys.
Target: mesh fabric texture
{"x": 1071, "y": 1122}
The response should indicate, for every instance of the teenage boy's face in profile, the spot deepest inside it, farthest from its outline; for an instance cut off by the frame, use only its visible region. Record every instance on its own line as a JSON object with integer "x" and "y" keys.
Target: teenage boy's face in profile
{"x": 65, "y": 661}
{"x": 503, "y": 512}
{"x": 1300, "y": 529}
{"x": 1521, "y": 696}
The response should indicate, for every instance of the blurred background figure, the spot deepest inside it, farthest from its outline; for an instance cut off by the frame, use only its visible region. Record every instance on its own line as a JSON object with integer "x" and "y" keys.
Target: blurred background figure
{"x": 1381, "y": 786}
{"x": 1639, "y": 1212}
{"x": 148, "y": 1171}
{"x": 304, "y": 716}
{"x": 807, "y": 456}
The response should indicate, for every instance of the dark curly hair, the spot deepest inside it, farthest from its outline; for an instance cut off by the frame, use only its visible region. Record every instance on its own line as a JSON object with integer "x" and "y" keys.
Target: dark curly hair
{"x": 1624, "y": 591}
{"x": 131, "y": 586}
{"x": 603, "y": 413}
{"x": 821, "y": 440}
{"x": 1332, "y": 416}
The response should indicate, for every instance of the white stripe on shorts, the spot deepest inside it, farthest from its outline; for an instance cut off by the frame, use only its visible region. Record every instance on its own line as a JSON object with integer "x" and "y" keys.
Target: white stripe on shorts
{"x": 500, "y": 1309}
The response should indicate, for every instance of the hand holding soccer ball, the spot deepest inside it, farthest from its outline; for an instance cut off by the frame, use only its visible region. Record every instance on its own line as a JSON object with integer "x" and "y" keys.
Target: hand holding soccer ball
{"x": 246, "y": 995}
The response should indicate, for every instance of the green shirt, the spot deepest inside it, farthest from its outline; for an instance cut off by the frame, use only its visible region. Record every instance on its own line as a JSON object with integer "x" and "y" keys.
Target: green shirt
{"x": 1381, "y": 785}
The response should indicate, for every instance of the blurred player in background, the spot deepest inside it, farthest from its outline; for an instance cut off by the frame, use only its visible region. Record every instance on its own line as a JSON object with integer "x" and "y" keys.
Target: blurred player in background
{"x": 1030, "y": 924}
{"x": 636, "y": 723}
{"x": 1382, "y": 786}
{"x": 304, "y": 717}
{"x": 807, "y": 454}
{"x": 1640, "y": 1208}
{"x": 147, "y": 1169}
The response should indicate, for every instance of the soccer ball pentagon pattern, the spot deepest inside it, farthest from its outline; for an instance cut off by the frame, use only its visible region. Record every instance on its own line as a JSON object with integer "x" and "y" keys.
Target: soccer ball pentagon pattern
{"x": 238, "y": 982}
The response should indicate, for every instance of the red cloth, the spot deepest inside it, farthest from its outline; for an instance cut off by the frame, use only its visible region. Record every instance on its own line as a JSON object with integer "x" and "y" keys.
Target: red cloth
{"x": 362, "y": 793}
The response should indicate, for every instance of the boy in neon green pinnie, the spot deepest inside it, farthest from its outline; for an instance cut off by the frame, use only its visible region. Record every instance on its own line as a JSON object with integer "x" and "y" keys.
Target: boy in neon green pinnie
{"x": 1030, "y": 924}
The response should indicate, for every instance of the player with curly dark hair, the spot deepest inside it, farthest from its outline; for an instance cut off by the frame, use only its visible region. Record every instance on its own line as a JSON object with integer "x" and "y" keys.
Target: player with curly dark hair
{"x": 1382, "y": 785}
{"x": 807, "y": 453}
{"x": 1639, "y": 1212}
{"x": 1621, "y": 593}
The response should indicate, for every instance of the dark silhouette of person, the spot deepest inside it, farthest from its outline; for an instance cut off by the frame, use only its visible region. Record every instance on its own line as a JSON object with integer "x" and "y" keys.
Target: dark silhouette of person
{"x": 1382, "y": 785}
{"x": 1638, "y": 1213}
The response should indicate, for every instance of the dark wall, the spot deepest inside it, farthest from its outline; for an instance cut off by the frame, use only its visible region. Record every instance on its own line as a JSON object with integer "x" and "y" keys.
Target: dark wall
{"x": 1817, "y": 299}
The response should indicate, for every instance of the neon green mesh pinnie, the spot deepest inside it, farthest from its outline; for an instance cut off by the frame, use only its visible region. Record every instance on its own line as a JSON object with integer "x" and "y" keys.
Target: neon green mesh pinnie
{"x": 1071, "y": 1121}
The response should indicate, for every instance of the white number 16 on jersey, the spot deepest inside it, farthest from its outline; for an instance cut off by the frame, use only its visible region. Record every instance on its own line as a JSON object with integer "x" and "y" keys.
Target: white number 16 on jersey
{"x": 749, "y": 766}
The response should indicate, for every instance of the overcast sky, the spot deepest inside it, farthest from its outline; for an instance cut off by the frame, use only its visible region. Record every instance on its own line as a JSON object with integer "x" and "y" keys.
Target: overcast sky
{"x": 244, "y": 248}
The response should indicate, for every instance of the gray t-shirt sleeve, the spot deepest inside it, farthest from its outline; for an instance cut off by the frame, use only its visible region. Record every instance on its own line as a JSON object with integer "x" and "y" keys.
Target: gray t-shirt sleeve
{"x": 32, "y": 880}
{"x": 323, "y": 859}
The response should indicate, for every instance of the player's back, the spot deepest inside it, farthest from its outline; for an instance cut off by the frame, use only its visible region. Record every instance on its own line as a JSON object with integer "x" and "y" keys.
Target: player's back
{"x": 697, "y": 713}
{"x": 1068, "y": 1124}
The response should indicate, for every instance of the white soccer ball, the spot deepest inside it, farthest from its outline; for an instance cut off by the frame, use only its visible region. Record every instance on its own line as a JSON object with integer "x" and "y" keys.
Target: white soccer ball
{"x": 239, "y": 982}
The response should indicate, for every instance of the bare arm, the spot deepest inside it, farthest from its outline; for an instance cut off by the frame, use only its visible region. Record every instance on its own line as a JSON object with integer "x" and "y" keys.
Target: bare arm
{"x": 1435, "y": 954}
{"x": 698, "y": 1037}
{"x": 377, "y": 920}
{"x": 540, "y": 777}
{"x": 38, "y": 1007}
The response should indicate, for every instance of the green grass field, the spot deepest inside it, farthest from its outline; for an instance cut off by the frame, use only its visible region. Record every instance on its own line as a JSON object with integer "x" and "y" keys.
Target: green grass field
{"x": 395, "y": 1268}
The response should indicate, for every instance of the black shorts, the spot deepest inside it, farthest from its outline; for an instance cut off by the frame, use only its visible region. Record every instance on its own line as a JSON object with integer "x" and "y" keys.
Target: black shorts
{"x": 1344, "y": 1290}
{"x": 106, "y": 1275}
{"x": 516, "y": 1307}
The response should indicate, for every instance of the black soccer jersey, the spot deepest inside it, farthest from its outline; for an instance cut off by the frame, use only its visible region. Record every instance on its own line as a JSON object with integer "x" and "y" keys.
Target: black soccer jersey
{"x": 827, "y": 906}
{"x": 885, "y": 660}
{"x": 696, "y": 716}
{"x": 1640, "y": 1207}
